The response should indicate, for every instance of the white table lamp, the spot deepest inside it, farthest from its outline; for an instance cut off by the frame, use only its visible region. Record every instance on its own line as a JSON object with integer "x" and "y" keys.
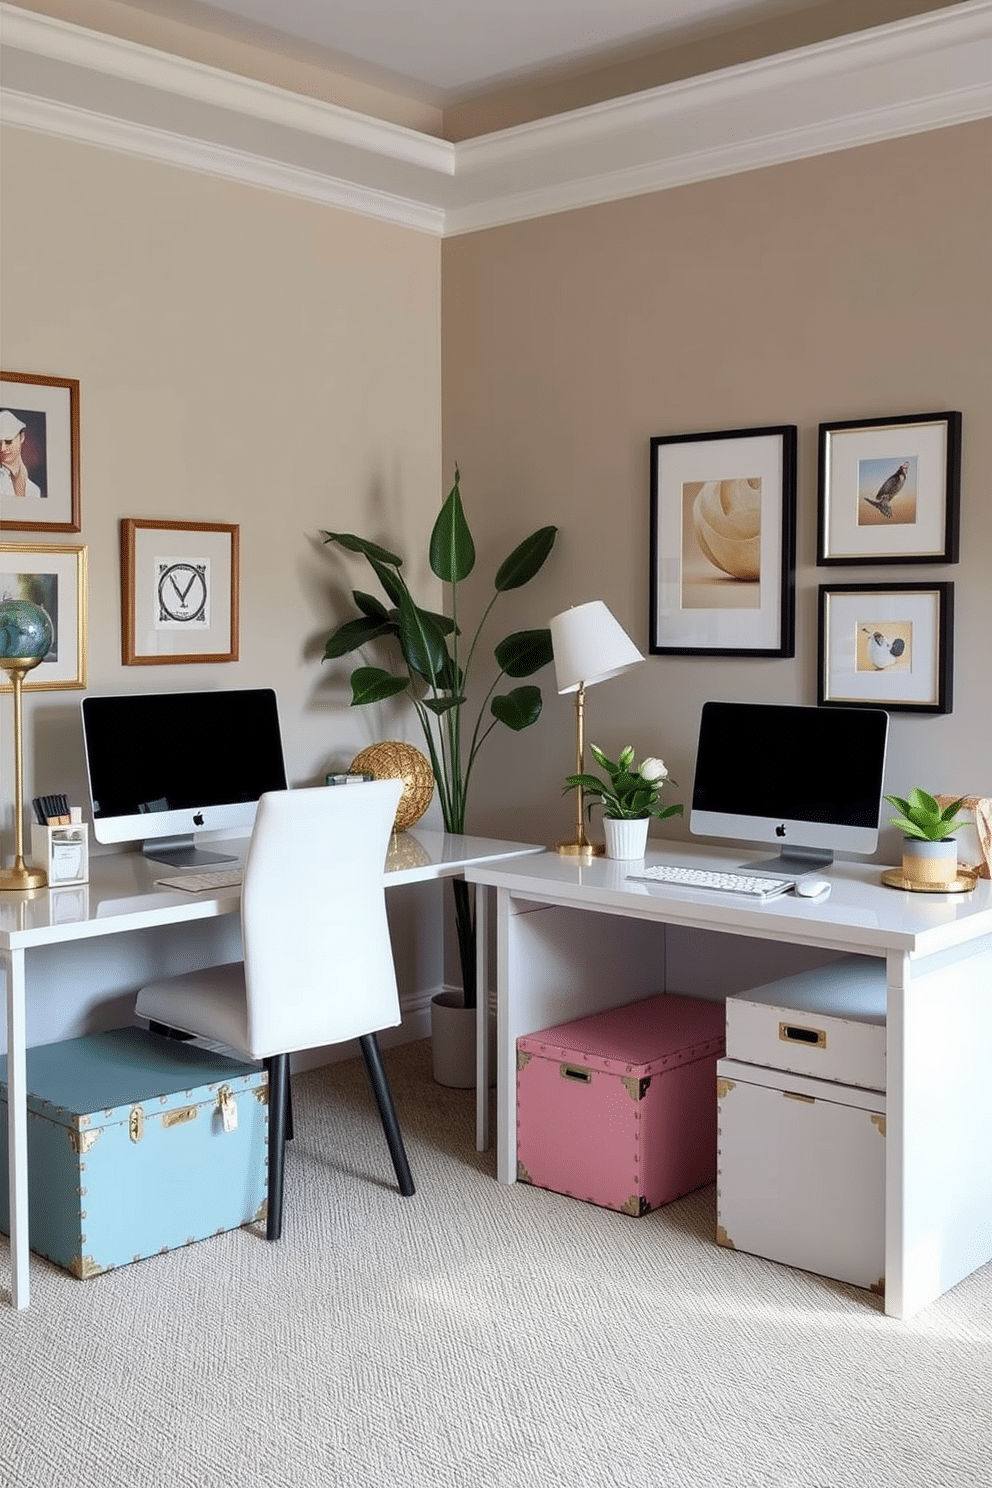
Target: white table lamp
{"x": 589, "y": 646}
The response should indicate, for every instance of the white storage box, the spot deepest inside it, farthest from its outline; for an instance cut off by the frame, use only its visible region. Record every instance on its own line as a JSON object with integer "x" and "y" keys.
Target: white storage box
{"x": 828, "y": 1023}
{"x": 801, "y": 1172}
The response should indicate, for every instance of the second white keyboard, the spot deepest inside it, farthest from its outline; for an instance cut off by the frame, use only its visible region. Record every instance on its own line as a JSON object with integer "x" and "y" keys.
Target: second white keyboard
{"x": 195, "y": 883}
{"x": 752, "y": 886}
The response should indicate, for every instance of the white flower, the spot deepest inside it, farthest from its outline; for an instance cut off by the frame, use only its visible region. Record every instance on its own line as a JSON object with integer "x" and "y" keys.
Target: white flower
{"x": 653, "y": 770}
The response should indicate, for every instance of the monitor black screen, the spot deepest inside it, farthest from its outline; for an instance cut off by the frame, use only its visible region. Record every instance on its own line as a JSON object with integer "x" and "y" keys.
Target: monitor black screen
{"x": 167, "y": 764}
{"x": 808, "y": 780}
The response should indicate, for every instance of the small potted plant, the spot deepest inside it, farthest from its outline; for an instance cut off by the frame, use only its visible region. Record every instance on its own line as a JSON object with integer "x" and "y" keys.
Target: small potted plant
{"x": 929, "y": 849}
{"x": 629, "y": 800}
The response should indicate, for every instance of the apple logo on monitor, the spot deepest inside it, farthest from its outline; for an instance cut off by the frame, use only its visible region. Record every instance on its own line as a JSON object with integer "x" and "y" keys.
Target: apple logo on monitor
{"x": 780, "y": 830}
{"x": 198, "y": 819}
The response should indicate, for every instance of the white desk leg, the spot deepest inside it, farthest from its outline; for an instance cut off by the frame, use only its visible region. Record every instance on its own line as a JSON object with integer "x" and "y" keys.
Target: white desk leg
{"x": 481, "y": 1018}
{"x": 938, "y": 1190}
{"x": 17, "y": 1130}
{"x": 506, "y": 1043}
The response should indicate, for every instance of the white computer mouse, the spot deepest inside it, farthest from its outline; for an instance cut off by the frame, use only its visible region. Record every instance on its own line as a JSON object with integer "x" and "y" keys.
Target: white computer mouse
{"x": 812, "y": 888}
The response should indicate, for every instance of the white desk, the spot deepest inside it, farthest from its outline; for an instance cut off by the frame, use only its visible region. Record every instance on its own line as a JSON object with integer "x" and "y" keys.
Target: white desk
{"x": 122, "y": 896}
{"x": 574, "y": 938}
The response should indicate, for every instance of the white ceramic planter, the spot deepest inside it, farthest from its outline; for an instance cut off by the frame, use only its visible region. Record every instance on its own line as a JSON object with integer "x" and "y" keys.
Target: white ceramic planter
{"x": 626, "y": 839}
{"x": 930, "y": 863}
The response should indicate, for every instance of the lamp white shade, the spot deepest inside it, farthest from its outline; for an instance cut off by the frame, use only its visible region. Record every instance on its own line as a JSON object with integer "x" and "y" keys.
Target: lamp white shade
{"x": 589, "y": 646}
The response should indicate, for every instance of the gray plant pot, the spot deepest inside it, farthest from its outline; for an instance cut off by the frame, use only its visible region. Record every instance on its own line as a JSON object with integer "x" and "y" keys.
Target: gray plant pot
{"x": 453, "y": 1042}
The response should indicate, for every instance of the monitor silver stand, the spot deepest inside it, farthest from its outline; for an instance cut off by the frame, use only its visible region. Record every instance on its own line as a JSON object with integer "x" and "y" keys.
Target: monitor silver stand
{"x": 792, "y": 862}
{"x": 179, "y": 852}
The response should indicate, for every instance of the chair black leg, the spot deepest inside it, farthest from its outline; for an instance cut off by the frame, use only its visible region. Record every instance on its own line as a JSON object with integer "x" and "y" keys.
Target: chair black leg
{"x": 278, "y": 1070}
{"x": 289, "y": 1105}
{"x": 387, "y": 1112}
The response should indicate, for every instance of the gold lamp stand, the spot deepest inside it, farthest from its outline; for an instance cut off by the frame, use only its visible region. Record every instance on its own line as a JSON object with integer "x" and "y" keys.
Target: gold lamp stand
{"x": 13, "y": 880}
{"x": 589, "y": 645}
{"x": 580, "y": 846}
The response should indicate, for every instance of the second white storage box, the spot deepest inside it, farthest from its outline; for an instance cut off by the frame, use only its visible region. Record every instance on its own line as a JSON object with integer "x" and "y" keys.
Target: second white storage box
{"x": 828, "y": 1023}
{"x": 801, "y": 1172}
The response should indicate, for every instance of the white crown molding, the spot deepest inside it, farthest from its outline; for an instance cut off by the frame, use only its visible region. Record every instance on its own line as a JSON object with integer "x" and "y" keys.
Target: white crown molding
{"x": 924, "y": 73}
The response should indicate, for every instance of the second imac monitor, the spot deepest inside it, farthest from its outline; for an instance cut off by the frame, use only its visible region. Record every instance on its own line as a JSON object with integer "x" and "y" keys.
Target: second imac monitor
{"x": 808, "y": 781}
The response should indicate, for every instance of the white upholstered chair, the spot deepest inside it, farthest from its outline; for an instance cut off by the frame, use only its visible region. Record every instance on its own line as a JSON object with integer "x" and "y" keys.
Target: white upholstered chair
{"x": 318, "y": 964}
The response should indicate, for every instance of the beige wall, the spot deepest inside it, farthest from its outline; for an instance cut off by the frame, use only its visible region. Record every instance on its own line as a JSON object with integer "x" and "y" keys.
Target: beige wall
{"x": 850, "y": 286}
{"x": 242, "y": 357}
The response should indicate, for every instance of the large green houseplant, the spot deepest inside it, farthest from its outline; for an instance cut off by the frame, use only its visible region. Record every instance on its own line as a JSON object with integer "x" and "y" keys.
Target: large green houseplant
{"x": 435, "y": 667}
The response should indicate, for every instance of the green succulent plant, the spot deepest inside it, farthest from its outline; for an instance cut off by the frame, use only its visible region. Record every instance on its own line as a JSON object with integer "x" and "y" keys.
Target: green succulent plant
{"x": 922, "y": 817}
{"x": 436, "y": 662}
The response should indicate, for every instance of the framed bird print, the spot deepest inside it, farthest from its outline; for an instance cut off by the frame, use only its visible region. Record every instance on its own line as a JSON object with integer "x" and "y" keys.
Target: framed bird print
{"x": 179, "y": 599}
{"x": 886, "y": 645}
{"x": 889, "y": 490}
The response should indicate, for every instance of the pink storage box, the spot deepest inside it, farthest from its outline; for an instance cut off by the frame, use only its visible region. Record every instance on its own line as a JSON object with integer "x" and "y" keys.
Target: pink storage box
{"x": 619, "y": 1108}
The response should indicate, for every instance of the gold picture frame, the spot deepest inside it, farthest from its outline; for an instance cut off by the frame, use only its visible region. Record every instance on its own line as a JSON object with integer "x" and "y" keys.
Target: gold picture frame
{"x": 179, "y": 591}
{"x": 44, "y": 497}
{"x": 53, "y": 576}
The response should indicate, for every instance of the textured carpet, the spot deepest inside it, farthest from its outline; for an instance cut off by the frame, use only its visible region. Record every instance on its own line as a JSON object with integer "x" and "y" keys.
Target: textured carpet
{"x": 478, "y": 1335}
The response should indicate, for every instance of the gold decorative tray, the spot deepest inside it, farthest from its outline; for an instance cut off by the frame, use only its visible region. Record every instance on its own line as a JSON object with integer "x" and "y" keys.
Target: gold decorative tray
{"x": 960, "y": 885}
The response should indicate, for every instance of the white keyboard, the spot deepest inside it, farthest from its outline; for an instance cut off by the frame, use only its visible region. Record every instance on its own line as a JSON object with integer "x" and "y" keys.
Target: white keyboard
{"x": 195, "y": 883}
{"x": 750, "y": 885}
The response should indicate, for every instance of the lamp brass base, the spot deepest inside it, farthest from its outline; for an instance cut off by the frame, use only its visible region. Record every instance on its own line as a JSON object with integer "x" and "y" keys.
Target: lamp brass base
{"x": 14, "y": 880}
{"x": 580, "y": 849}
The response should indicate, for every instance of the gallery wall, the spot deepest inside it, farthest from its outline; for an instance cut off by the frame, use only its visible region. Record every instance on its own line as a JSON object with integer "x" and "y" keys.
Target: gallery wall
{"x": 242, "y": 357}
{"x": 854, "y": 285}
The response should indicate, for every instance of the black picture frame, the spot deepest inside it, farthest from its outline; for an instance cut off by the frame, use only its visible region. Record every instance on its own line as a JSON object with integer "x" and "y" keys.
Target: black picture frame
{"x": 886, "y": 645}
{"x": 889, "y": 490}
{"x": 723, "y": 543}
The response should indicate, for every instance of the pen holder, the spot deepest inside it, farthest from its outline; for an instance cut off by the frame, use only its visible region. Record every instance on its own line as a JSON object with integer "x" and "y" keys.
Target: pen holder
{"x": 63, "y": 852}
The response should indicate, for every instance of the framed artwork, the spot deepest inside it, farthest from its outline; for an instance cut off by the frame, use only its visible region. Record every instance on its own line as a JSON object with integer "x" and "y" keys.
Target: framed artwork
{"x": 888, "y": 645}
{"x": 39, "y": 453}
{"x": 890, "y": 490}
{"x": 55, "y": 578}
{"x": 723, "y": 509}
{"x": 179, "y": 599}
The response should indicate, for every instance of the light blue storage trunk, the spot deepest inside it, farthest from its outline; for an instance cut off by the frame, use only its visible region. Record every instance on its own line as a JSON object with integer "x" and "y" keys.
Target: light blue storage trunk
{"x": 127, "y": 1147}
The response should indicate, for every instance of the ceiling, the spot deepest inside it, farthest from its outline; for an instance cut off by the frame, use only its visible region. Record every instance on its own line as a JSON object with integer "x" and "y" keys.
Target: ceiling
{"x": 929, "y": 71}
{"x": 446, "y": 50}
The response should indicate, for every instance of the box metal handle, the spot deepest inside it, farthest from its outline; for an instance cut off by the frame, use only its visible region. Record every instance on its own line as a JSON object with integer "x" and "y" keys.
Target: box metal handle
{"x": 792, "y": 1033}
{"x": 575, "y": 1072}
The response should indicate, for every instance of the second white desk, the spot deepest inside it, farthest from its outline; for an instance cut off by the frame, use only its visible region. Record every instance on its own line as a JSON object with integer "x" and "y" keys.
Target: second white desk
{"x": 577, "y": 937}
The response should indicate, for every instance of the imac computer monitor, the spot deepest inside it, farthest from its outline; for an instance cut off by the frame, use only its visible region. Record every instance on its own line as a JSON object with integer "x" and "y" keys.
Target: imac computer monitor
{"x": 808, "y": 781}
{"x": 163, "y": 766}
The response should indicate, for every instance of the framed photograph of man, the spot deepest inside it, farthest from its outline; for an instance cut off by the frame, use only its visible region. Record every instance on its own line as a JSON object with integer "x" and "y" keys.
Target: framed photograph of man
{"x": 723, "y": 543}
{"x": 39, "y": 453}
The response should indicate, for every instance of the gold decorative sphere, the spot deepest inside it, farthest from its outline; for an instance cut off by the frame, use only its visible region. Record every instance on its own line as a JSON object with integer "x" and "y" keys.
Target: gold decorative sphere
{"x": 393, "y": 760}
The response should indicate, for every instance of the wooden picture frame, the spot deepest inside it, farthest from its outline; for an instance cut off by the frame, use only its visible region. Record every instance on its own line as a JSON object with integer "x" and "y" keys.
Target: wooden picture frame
{"x": 179, "y": 592}
{"x": 889, "y": 490}
{"x": 39, "y": 453}
{"x": 723, "y": 536}
{"x": 887, "y": 645}
{"x": 53, "y": 576}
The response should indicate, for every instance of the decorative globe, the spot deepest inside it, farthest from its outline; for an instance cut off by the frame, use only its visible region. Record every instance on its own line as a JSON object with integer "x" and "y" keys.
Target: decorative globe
{"x": 393, "y": 760}
{"x": 26, "y": 631}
